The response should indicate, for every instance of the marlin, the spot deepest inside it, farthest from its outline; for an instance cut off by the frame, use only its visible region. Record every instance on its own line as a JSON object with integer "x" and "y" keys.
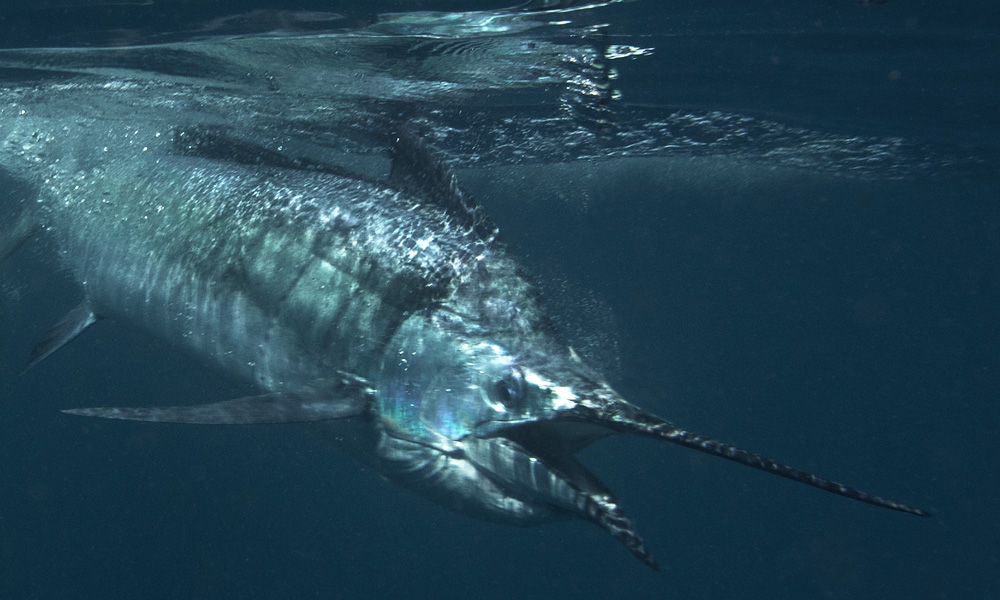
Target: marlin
{"x": 384, "y": 309}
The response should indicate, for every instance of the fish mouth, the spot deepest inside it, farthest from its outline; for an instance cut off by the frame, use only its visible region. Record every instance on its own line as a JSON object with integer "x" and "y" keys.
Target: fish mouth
{"x": 534, "y": 460}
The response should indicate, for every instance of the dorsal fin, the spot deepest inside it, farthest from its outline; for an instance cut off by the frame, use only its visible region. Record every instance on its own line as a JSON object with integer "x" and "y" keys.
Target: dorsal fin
{"x": 417, "y": 168}
{"x": 217, "y": 143}
{"x": 420, "y": 169}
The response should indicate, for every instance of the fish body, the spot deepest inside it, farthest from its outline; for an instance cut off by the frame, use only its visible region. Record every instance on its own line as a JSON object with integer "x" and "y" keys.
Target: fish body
{"x": 386, "y": 304}
{"x": 291, "y": 279}
{"x": 277, "y": 276}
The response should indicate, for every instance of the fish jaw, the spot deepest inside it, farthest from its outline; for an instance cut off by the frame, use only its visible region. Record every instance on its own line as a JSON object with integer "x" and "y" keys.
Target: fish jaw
{"x": 490, "y": 431}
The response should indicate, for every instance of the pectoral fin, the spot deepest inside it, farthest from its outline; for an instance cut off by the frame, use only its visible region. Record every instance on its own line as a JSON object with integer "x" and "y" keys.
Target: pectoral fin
{"x": 324, "y": 400}
{"x": 62, "y": 332}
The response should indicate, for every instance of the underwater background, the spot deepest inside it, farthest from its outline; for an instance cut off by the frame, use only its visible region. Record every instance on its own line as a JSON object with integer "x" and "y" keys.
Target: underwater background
{"x": 796, "y": 252}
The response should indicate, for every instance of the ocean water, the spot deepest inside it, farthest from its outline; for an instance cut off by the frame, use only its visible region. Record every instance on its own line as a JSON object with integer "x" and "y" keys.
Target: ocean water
{"x": 787, "y": 239}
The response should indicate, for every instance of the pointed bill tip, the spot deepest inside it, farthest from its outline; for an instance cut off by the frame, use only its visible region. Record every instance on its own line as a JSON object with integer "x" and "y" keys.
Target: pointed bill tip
{"x": 643, "y": 423}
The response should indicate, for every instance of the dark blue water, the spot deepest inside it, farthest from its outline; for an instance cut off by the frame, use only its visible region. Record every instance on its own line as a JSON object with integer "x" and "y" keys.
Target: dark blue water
{"x": 843, "y": 323}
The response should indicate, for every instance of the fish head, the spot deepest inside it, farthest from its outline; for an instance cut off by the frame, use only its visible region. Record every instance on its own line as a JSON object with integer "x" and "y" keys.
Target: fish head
{"x": 488, "y": 425}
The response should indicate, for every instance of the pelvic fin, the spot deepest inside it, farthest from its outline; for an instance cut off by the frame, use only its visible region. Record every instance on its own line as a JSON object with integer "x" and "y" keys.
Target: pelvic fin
{"x": 60, "y": 334}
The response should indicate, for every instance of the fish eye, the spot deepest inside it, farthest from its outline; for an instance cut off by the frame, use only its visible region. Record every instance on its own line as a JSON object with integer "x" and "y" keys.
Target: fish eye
{"x": 510, "y": 390}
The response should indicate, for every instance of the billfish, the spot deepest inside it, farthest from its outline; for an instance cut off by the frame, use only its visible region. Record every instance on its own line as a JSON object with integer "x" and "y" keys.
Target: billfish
{"x": 384, "y": 308}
